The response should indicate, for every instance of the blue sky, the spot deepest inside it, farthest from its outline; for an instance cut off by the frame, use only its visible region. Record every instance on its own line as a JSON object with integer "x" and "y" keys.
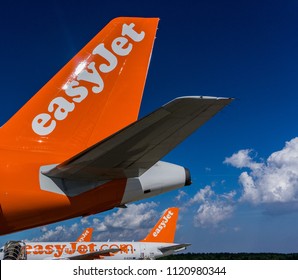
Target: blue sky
{"x": 244, "y": 162}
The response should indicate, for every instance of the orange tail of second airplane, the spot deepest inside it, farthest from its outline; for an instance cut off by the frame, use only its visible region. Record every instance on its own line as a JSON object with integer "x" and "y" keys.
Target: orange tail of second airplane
{"x": 97, "y": 93}
{"x": 165, "y": 229}
{"x": 86, "y": 235}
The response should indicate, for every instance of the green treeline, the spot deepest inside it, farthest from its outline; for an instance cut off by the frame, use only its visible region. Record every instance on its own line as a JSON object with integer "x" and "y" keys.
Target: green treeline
{"x": 232, "y": 256}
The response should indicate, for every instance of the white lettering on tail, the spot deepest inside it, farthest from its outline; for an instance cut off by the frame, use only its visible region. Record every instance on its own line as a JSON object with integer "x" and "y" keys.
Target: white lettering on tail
{"x": 59, "y": 108}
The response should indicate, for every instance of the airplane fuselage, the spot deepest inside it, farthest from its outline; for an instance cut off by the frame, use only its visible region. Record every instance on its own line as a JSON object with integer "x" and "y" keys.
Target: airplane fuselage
{"x": 64, "y": 250}
{"x": 24, "y": 204}
{"x": 27, "y": 201}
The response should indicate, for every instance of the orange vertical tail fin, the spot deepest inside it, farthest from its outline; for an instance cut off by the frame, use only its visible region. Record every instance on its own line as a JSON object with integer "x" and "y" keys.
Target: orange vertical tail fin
{"x": 97, "y": 93}
{"x": 86, "y": 235}
{"x": 165, "y": 229}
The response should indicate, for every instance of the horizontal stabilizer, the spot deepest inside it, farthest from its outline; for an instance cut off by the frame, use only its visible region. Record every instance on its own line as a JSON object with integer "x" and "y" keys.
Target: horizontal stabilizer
{"x": 173, "y": 248}
{"x": 133, "y": 150}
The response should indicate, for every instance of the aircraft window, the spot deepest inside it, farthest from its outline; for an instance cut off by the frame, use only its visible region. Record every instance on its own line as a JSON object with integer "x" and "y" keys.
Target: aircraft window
{"x": 1, "y": 250}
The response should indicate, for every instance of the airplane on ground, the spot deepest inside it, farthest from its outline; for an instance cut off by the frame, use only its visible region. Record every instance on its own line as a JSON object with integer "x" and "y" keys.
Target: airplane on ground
{"x": 158, "y": 243}
{"x": 76, "y": 147}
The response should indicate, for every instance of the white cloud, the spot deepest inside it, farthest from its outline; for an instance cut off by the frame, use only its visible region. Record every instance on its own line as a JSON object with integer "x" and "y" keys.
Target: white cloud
{"x": 59, "y": 233}
{"x": 275, "y": 180}
{"x": 180, "y": 195}
{"x": 213, "y": 208}
{"x": 132, "y": 223}
{"x": 242, "y": 159}
{"x": 84, "y": 221}
{"x": 250, "y": 192}
{"x": 44, "y": 229}
{"x": 229, "y": 196}
{"x": 211, "y": 213}
{"x": 202, "y": 195}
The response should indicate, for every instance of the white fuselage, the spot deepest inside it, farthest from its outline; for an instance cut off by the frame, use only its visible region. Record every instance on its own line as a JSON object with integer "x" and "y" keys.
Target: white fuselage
{"x": 65, "y": 250}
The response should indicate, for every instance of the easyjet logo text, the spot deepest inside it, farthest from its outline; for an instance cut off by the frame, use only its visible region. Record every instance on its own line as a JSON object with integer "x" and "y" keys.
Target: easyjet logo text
{"x": 163, "y": 223}
{"x": 59, "y": 250}
{"x": 74, "y": 92}
{"x": 84, "y": 234}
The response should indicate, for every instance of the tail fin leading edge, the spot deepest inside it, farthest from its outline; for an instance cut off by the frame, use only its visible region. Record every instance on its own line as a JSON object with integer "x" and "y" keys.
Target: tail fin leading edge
{"x": 97, "y": 93}
{"x": 165, "y": 229}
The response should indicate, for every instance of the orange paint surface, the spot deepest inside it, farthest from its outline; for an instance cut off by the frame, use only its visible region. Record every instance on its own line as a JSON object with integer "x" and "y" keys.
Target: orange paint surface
{"x": 165, "y": 229}
{"x": 97, "y": 93}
